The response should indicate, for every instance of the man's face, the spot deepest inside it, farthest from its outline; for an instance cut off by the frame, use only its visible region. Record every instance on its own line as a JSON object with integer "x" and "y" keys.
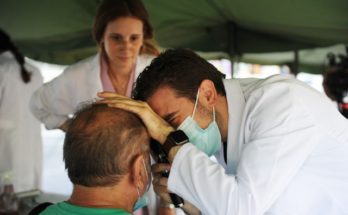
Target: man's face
{"x": 166, "y": 103}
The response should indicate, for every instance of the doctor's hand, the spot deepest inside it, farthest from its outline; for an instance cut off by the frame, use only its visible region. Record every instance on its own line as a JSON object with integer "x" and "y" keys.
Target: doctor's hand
{"x": 157, "y": 127}
{"x": 160, "y": 185}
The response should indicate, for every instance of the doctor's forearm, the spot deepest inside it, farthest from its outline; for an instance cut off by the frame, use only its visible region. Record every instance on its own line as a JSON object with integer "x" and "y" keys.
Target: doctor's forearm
{"x": 191, "y": 175}
{"x": 190, "y": 209}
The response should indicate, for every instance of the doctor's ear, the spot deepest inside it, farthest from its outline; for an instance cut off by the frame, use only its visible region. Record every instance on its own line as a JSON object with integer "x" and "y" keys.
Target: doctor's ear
{"x": 207, "y": 93}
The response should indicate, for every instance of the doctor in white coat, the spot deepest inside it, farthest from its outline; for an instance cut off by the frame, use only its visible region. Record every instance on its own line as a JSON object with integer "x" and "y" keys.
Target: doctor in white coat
{"x": 20, "y": 132}
{"x": 123, "y": 32}
{"x": 281, "y": 147}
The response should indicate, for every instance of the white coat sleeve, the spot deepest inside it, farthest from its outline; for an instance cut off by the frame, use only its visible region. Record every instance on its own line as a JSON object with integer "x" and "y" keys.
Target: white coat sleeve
{"x": 52, "y": 102}
{"x": 279, "y": 136}
{"x": 205, "y": 184}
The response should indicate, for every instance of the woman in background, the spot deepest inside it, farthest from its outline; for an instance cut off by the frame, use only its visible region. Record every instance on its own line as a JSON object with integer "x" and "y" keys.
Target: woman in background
{"x": 124, "y": 35}
{"x": 123, "y": 32}
{"x": 20, "y": 132}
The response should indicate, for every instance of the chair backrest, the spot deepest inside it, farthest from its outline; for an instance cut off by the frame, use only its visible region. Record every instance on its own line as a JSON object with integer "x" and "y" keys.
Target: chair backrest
{"x": 39, "y": 208}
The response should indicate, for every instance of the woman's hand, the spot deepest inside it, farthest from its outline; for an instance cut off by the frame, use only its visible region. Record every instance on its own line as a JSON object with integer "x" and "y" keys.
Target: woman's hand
{"x": 157, "y": 127}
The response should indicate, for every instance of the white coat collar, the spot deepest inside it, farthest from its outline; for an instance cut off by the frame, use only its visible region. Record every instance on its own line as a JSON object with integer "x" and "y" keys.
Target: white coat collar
{"x": 95, "y": 79}
{"x": 236, "y": 104}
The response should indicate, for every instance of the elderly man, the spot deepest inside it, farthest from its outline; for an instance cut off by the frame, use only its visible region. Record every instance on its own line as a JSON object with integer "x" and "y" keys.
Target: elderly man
{"x": 281, "y": 147}
{"x": 106, "y": 154}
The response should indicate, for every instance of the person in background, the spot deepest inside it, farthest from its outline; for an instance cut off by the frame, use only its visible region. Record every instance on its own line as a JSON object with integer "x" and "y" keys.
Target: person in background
{"x": 106, "y": 155}
{"x": 123, "y": 32}
{"x": 280, "y": 147}
{"x": 124, "y": 35}
{"x": 335, "y": 82}
{"x": 20, "y": 132}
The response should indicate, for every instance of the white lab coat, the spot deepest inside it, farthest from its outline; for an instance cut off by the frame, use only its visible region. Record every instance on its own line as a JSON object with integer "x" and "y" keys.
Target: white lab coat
{"x": 20, "y": 132}
{"x": 286, "y": 154}
{"x": 55, "y": 101}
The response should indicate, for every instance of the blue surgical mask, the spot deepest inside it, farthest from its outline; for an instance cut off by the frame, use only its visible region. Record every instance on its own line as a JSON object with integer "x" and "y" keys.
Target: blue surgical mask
{"x": 207, "y": 140}
{"x": 143, "y": 200}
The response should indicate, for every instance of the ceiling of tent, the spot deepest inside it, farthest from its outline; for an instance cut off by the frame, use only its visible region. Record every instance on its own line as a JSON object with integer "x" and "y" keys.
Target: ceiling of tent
{"x": 269, "y": 31}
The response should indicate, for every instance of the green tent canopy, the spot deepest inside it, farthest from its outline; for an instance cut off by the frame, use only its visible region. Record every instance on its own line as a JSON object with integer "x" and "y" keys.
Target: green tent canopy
{"x": 265, "y": 32}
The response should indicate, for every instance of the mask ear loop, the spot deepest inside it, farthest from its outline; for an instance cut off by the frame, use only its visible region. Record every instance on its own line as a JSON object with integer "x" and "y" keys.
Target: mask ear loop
{"x": 147, "y": 176}
{"x": 196, "y": 102}
{"x": 138, "y": 192}
{"x": 214, "y": 113}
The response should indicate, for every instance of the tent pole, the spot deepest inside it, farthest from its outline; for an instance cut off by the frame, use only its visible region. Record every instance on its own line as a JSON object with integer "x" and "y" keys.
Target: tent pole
{"x": 231, "y": 35}
{"x": 296, "y": 63}
{"x": 232, "y": 68}
{"x": 232, "y": 44}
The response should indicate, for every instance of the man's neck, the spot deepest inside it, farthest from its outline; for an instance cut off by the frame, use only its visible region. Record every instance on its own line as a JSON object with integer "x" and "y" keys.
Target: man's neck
{"x": 102, "y": 197}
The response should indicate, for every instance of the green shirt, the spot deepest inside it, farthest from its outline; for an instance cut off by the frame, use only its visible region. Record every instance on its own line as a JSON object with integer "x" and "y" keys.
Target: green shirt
{"x": 64, "y": 208}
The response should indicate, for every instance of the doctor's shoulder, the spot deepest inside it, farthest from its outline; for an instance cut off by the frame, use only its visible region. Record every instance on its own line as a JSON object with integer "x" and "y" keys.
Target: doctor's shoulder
{"x": 10, "y": 71}
{"x": 145, "y": 59}
{"x": 8, "y": 65}
{"x": 82, "y": 67}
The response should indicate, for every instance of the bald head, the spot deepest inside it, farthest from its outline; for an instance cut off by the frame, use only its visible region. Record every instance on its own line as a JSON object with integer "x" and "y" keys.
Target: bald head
{"x": 101, "y": 144}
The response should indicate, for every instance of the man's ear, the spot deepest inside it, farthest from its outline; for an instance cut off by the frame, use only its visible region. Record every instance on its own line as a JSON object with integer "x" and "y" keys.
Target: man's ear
{"x": 137, "y": 171}
{"x": 207, "y": 93}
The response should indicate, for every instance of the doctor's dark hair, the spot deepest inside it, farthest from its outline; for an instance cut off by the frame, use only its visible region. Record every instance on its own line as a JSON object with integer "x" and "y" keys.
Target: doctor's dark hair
{"x": 6, "y": 44}
{"x": 101, "y": 145}
{"x": 110, "y": 10}
{"x": 180, "y": 69}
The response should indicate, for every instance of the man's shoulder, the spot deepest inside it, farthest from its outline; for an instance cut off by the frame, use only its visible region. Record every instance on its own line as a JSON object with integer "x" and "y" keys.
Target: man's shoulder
{"x": 70, "y": 209}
